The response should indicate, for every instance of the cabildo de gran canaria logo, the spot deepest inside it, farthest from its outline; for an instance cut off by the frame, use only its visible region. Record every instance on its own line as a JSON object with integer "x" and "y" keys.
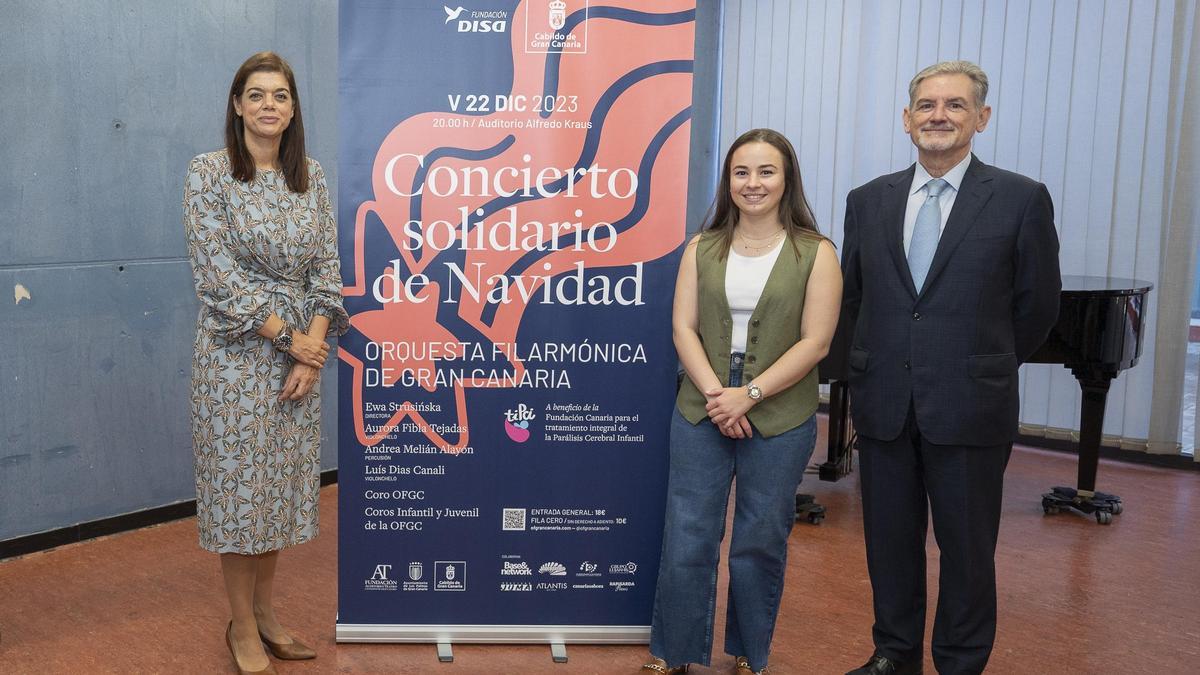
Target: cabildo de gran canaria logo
{"x": 516, "y": 422}
{"x": 477, "y": 21}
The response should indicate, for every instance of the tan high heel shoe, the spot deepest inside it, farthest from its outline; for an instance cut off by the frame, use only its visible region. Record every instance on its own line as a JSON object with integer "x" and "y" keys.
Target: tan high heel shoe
{"x": 290, "y": 651}
{"x": 269, "y": 670}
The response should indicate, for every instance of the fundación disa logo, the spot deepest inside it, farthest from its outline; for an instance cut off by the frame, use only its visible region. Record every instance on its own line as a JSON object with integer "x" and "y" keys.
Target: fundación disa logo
{"x": 482, "y": 21}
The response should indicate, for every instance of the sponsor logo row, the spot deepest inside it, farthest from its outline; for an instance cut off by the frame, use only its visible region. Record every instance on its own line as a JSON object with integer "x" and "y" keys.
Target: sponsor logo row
{"x": 545, "y": 22}
{"x": 448, "y": 575}
{"x": 451, "y": 575}
{"x": 529, "y": 586}
{"x": 554, "y": 568}
{"x": 587, "y": 576}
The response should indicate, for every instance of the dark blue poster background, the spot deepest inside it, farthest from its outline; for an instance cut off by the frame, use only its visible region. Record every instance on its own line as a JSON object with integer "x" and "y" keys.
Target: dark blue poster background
{"x": 512, "y": 195}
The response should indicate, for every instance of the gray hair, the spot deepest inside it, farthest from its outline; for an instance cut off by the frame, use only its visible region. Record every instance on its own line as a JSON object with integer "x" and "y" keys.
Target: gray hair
{"x": 979, "y": 78}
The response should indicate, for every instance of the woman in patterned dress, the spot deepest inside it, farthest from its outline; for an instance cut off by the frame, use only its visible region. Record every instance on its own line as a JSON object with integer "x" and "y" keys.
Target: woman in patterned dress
{"x": 263, "y": 247}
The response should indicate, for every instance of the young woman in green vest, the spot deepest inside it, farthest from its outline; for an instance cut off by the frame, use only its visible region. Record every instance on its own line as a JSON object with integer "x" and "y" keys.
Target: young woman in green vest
{"x": 756, "y": 304}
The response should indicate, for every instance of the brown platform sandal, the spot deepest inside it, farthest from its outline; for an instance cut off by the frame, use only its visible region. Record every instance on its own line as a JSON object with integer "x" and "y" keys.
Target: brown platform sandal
{"x": 660, "y": 666}
{"x": 743, "y": 668}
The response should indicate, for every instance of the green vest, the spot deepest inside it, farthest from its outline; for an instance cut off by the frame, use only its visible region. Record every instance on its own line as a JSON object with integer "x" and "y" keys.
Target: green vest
{"x": 774, "y": 328}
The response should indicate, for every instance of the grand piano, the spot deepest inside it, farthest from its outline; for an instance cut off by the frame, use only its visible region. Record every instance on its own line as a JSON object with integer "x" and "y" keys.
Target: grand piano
{"x": 1101, "y": 321}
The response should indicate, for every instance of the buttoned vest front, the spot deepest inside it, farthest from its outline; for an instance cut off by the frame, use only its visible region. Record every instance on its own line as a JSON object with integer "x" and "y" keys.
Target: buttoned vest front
{"x": 774, "y": 328}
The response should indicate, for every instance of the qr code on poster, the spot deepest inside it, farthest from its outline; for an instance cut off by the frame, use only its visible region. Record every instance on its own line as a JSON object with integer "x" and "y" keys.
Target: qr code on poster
{"x": 514, "y": 519}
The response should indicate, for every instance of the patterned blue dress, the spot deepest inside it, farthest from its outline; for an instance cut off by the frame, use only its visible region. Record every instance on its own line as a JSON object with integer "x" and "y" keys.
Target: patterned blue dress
{"x": 256, "y": 248}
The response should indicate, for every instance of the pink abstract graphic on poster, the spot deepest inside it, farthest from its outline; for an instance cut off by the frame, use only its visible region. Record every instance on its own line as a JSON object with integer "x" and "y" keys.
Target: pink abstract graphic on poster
{"x": 521, "y": 197}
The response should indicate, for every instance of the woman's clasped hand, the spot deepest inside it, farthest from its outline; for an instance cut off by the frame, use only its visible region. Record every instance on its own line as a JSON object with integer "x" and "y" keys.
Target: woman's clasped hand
{"x": 308, "y": 350}
{"x": 727, "y": 408}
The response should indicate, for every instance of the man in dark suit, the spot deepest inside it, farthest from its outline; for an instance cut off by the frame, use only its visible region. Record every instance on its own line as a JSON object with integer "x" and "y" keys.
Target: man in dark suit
{"x": 951, "y": 282}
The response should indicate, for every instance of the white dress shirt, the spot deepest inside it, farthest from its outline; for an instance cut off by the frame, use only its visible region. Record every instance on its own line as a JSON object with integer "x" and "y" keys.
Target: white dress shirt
{"x": 917, "y": 193}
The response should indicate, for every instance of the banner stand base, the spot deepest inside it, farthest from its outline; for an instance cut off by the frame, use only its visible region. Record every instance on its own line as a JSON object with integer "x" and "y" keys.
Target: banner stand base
{"x": 558, "y": 637}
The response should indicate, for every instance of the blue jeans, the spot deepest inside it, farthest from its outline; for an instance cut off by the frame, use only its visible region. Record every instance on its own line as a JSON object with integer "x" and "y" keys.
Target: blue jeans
{"x": 703, "y": 464}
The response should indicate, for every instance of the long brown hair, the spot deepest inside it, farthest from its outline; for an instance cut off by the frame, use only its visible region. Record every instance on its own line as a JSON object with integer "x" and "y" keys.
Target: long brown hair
{"x": 292, "y": 160}
{"x": 794, "y": 210}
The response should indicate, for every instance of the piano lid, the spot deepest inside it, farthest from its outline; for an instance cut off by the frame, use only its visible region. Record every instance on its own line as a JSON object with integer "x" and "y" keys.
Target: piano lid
{"x": 1081, "y": 286}
{"x": 1101, "y": 323}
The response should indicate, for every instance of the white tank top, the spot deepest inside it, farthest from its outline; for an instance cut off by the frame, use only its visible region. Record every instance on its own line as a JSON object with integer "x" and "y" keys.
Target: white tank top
{"x": 745, "y": 278}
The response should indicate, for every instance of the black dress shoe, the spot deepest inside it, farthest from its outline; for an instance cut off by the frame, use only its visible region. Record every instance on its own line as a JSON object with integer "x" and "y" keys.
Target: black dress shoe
{"x": 882, "y": 665}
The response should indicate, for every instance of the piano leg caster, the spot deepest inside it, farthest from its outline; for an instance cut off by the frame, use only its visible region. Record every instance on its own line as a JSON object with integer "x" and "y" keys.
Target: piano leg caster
{"x": 809, "y": 509}
{"x": 1102, "y": 504}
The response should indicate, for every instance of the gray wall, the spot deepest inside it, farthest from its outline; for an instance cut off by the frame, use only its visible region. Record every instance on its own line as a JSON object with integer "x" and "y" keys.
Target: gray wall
{"x": 103, "y": 105}
{"x": 704, "y": 158}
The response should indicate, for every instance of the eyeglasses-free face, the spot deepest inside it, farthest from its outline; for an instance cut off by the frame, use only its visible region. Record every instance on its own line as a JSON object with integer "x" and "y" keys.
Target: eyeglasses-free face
{"x": 945, "y": 116}
{"x": 266, "y": 106}
{"x": 756, "y": 179}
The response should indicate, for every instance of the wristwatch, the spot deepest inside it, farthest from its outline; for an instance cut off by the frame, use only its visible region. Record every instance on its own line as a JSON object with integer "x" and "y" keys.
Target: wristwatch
{"x": 754, "y": 392}
{"x": 283, "y": 340}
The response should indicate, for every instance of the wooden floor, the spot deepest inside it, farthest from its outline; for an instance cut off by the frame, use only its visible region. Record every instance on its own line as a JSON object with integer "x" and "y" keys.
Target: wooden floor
{"x": 1075, "y": 597}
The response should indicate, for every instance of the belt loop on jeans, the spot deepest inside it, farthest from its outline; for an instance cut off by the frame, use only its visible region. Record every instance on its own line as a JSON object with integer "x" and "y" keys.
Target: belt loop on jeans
{"x": 737, "y": 361}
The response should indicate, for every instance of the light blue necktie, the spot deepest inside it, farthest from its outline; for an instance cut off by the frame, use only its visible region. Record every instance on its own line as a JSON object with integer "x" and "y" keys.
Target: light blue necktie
{"x": 926, "y": 232}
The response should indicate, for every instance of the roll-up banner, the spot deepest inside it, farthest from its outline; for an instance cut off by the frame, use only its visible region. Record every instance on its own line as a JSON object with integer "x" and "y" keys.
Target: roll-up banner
{"x": 512, "y": 185}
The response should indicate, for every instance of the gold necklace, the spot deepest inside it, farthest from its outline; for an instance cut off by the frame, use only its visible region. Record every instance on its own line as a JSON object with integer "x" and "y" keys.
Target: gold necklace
{"x": 770, "y": 241}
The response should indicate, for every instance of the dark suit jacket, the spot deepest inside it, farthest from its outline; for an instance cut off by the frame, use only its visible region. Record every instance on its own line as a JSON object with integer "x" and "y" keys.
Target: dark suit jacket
{"x": 990, "y": 298}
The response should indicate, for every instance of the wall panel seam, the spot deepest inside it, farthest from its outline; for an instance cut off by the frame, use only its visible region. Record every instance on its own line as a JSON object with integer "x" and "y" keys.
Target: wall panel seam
{"x": 91, "y": 263}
